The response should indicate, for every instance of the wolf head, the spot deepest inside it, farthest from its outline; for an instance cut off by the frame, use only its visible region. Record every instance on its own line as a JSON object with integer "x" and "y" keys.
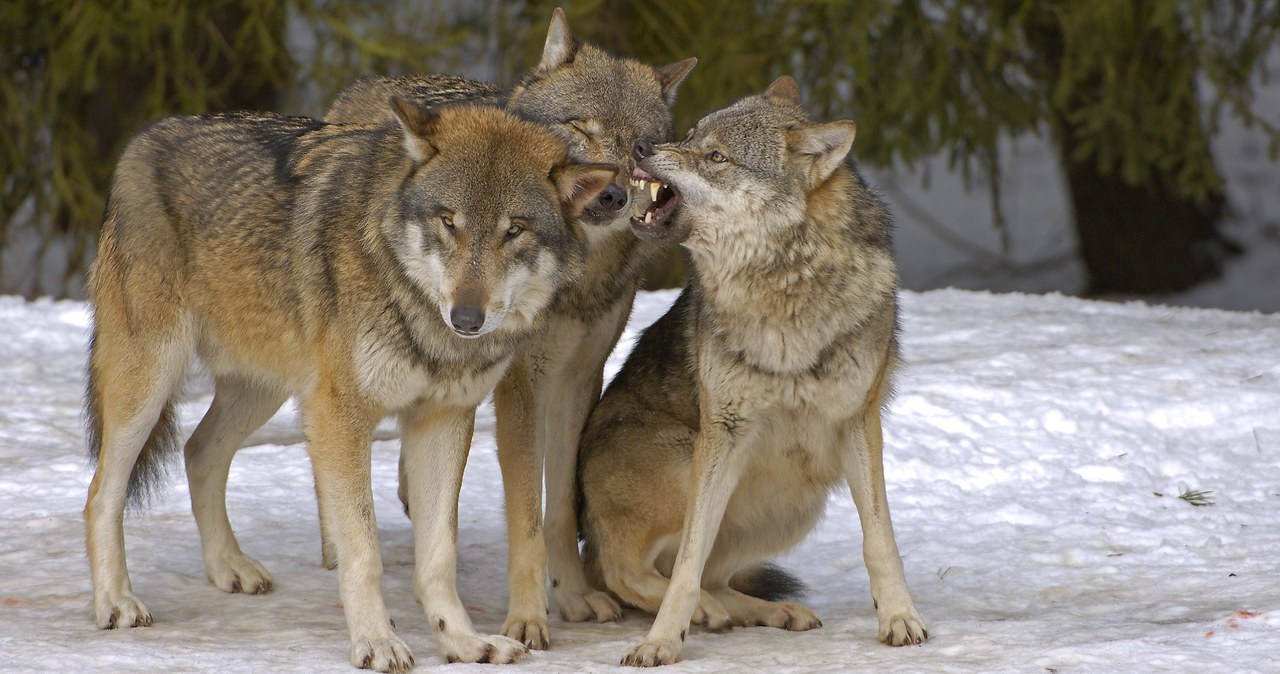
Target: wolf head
{"x": 601, "y": 105}
{"x": 749, "y": 166}
{"x": 484, "y": 223}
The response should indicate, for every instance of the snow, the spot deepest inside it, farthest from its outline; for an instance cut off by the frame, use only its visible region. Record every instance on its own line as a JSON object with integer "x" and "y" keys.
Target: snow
{"x": 1035, "y": 454}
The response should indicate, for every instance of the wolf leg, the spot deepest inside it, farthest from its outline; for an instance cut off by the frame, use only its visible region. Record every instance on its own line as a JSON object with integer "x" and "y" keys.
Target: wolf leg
{"x": 132, "y": 391}
{"x": 520, "y": 457}
{"x": 571, "y": 393}
{"x": 643, "y": 587}
{"x": 239, "y": 407}
{"x": 900, "y": 624}
{"x": 717, "y": 466}
{"x": 748, "y": 611}
{"x": 435, "y": 447}
{"x": 339, "y": 430}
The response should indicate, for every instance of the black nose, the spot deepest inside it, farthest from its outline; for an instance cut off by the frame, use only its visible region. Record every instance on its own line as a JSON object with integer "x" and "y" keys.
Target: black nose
{"x": 467, "y": 320}
{"x": 641, "y": 150}
{"x": 612, "y": 198}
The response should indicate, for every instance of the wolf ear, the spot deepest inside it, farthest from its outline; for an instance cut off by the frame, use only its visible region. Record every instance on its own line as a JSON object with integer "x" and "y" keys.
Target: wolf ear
{"x": 579, "y": 184}
{"x": 671, "y": 75}
{"x": 419, "y": 125}
{"x": 785, "y": 88}
{"x": 822, "y": 147}
{"x": 560, "y": 46}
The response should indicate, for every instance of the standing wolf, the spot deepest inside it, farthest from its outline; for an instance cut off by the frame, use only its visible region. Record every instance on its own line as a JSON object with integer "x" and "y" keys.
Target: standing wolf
{"x": 760, "y": 390}
{"x": 600, "y": 105}
{"x": 367, "y": 270}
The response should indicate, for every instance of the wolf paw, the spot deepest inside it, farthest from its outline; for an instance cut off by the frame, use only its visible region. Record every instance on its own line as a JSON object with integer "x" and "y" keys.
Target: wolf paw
{"x": 592, "y": 605}
{"x": 652, "y": 654}
{"x": 903, "y": 629}
{"x": 495, "y": 649}
{"x": 787, "y": 615}
{"x": 712, "y": 616}
{"x": 532, "y": 632}
{"x": 122, "y": 611}
{"x": 238, "y": 573}
{"x": 382, "y": 654}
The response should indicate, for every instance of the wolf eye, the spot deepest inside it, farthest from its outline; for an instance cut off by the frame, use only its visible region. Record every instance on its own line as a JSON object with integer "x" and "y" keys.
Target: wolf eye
{"x": 716, "y": 156}
{"x": 577, "y": 125}
{"x": 514, "y": 230}
{"x": 446, "y": 220}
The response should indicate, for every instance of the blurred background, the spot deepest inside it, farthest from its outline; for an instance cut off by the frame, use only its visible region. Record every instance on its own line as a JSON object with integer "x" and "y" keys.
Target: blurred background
{"x": 1111, "y": 149}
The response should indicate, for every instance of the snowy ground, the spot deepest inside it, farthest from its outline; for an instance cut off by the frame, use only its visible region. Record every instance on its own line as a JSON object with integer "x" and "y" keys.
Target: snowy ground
{"x": 1035, "y": 454}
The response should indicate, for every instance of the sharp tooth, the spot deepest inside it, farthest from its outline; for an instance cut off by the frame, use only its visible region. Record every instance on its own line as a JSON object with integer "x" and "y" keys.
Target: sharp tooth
{"x": 653, "y": 191}
{"x": 648, "y": 216}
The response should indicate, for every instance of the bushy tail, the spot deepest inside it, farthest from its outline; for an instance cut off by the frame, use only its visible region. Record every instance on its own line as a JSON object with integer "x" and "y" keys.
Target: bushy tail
{"x": 768, "y": 582}
{"x": 158, "y": 453}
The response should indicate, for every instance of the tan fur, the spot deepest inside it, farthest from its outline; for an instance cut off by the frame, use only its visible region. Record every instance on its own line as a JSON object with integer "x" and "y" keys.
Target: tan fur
{"x": 297, "y": 258}
{"x": 600, "y": 105}
{"x": 715, "y": 447}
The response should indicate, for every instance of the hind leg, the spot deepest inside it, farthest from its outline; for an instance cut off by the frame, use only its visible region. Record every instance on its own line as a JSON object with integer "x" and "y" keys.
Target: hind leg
{"x": 638, "y": 583}
{"x": 130, "y": 407}
{"x": 239, "y": 407}
{"x": 748, "y": 611}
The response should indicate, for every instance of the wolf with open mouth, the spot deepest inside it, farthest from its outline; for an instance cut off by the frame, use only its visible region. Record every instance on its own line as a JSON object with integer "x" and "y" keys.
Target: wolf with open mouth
{"x": 759, "y": 392}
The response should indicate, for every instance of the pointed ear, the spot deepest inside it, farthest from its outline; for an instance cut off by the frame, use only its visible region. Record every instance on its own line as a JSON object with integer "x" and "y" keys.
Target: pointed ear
{"x": 560, "y": 45}
{"x": 785, "y": 88}
{"x": 419, "y": 125}
{"x": 822, "y": 147}
{"x": 671, "y": 75}
{"x": 579, "y": 184}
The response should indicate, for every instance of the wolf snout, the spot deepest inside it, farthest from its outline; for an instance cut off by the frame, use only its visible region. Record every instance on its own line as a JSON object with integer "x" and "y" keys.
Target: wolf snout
{"x": 466, "y": 320}
{"x": 641, "y": 149}
{"x": 613, "y": 198}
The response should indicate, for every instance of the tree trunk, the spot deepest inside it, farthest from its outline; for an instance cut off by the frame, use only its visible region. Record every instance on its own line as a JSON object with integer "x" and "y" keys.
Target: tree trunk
{"x": 1138, "y": 239}
{"x": 1146, "y": 238}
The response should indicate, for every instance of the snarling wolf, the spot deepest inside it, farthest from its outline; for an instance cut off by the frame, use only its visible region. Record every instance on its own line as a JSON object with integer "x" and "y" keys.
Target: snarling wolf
{"x": 600, "y": 105}
{"x": 759, "y": 391}
{"x": 365, "y": 269}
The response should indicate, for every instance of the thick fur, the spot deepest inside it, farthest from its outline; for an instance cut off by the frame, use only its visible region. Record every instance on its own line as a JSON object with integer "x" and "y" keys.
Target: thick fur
{"x": 600, "y": 105}
{"x": 760, "y": 390}
{"x": 365, "y": 269}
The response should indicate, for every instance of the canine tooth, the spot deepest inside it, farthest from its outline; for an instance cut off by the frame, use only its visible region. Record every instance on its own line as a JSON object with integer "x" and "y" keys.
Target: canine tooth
{"x": 653, "y": 191}
{"x": 648, "y": 216}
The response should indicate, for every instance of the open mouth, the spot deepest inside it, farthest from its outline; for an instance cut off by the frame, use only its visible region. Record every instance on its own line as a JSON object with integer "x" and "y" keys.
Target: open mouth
{"x": 653, "y": 206}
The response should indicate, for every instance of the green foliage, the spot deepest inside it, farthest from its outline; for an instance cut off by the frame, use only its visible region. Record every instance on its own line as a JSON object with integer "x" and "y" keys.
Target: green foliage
{"x": 79, "y": 77}
{"x": 1197, "y": 497}
{"x": 1137, "y": 86}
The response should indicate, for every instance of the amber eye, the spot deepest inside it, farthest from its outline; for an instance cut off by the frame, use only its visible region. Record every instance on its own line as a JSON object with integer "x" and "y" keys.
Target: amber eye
{"x": 577, "y": 125}
{"x": 446, "y": 220}
{"x": 514, "y": 230}
{"x": 716, "y": 156}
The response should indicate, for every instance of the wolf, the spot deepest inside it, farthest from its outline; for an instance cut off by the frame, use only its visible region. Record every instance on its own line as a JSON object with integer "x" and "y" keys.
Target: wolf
{"x": 600, "y": 105}
{"x": 761, "y": 388}
{"x": 366, "y": 270}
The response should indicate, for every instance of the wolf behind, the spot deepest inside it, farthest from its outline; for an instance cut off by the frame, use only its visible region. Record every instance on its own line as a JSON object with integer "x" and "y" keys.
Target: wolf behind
{"x": 600, "y": 105}
{"x": 759, "y": 391}
{"x": 365, "y": 269}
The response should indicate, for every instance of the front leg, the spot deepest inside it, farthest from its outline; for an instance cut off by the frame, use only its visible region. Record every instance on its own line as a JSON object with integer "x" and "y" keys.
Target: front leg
{"x": 339, "y": 430}
{"x": 520, "y": 456}
{"x": 900, "y": 624}
{"x": 570, "y": 391}
{"x": 719, "y": 456}
{"x": 436, "y": 442}
{"x": 570, "y": 400}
